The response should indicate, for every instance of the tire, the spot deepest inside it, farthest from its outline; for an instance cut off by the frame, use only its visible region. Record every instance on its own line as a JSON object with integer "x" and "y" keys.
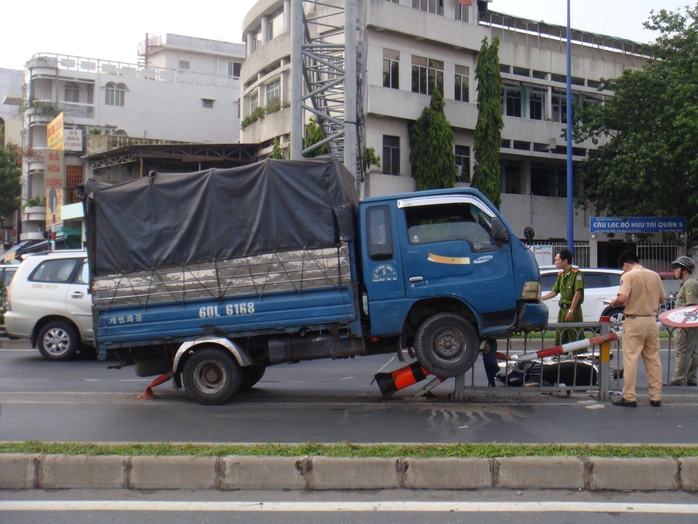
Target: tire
{"x": 149, "y": 368}
{"x": 212, "y": 376}
{"x": 446, "y": 345}
{"x": 58, "y": 341}
{"x": 251, "y": 375}
{"x": 617, "y": 315}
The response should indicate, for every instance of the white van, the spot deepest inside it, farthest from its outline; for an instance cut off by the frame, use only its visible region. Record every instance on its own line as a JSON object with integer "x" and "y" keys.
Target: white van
{"x": 49, "y": 303}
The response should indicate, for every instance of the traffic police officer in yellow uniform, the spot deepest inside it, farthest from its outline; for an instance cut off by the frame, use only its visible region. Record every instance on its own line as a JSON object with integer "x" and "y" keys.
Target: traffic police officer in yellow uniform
{"x": 570, "y": 286}
{"x": 686, "y": 339}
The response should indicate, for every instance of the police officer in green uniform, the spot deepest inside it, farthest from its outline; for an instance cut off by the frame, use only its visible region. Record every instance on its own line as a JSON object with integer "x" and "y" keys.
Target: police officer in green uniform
{"x": 570, "y": 286}
{"x": 686, "y": 340}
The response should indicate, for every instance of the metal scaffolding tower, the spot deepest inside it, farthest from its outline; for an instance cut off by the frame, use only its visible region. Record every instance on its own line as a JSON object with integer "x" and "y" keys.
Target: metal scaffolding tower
{"x": 324, "y": 76}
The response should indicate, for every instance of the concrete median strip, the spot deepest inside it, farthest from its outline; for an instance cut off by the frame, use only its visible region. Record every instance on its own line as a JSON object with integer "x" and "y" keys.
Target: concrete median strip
{"x": 32, "y": 471}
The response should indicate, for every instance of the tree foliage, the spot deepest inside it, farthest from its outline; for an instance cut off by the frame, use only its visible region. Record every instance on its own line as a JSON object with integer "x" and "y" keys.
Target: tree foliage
{"x": 313, "y": 135}
{"x": 431, "y": 147}
{"x": 276, "y": 149}
{"x": 488, "y": 130}
{"x": 10, "y": 188}
{"x": 649, "y": 165}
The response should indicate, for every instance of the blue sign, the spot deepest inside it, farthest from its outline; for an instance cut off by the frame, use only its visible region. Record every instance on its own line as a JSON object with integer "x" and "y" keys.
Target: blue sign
{"x": 636, "y": 224}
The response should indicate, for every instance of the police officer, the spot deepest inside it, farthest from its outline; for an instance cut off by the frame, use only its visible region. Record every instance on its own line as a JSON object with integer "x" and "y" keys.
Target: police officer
{"x": 641, "y": 291}
{"x": 570, "y": 286}
{"x": 686, "y": 340}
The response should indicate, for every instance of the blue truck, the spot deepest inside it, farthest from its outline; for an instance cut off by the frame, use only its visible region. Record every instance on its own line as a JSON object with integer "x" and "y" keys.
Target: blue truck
{"x": 213, "y": 276}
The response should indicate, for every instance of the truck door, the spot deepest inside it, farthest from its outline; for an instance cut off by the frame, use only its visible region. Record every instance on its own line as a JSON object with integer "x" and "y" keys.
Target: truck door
{"x": 448, "y": 250}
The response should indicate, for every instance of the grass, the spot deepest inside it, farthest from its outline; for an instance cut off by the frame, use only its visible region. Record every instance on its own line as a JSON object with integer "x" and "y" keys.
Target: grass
{"x": 347, "y": 449}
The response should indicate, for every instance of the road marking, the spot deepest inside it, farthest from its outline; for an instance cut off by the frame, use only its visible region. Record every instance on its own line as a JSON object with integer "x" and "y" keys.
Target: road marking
{"x": 379, "y": 507}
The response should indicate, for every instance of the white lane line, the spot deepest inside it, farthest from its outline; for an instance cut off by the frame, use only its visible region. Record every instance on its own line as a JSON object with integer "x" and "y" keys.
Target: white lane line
{"x": 381, "y": 506}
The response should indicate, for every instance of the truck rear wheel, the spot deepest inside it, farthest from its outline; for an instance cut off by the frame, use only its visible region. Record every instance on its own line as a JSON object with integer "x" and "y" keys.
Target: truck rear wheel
{"x": 212, "y": 376}
{"x": 446, "y": 345}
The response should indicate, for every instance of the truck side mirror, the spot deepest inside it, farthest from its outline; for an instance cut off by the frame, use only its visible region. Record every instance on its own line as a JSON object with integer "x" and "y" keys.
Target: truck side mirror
{"x": 499, "y": 233}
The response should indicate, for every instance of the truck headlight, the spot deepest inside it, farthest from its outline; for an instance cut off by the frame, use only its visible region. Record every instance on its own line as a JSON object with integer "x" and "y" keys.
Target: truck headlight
{"x": 531, "y": 290}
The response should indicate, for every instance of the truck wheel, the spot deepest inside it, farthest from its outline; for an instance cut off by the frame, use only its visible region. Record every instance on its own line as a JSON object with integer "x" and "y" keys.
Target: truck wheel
{"x": 149, "y": 368}
{"x": 212, "y": 376}
{"x": 58, "y": 341}
{"x": 251, "y": 375}
{"x": 446, "y": 345}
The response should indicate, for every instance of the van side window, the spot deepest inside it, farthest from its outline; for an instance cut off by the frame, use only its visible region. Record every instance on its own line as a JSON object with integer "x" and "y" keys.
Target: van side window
{"x": 58, "y": 271}
{"x": 449, "y": 222}
{"x": 380, "y": 233}
{"x": 83, "y": 276}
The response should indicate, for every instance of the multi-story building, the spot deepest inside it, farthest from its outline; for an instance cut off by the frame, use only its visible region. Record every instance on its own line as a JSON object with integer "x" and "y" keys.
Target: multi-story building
{"x": 410, "y": 47}
{"x": 184, "y": 90}
{"x": 10, "y": 133}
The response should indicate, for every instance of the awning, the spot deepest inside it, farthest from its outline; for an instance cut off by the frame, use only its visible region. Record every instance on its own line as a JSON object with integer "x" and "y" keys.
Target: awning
{"x": 11, "y": 253}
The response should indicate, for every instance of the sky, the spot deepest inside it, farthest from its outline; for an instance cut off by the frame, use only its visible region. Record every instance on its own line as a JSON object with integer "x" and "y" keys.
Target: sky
{"x": 113, "y": 31}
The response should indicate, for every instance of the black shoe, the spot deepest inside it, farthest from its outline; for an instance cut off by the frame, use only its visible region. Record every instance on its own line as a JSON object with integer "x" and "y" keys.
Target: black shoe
{"x": 627, "y": 403}
{"x": 672, "y": 383}
{"x": 655, "y": 403}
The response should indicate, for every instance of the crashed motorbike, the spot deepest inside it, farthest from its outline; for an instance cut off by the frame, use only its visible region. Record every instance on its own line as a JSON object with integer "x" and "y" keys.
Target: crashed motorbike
{"x": 563, "y": 370}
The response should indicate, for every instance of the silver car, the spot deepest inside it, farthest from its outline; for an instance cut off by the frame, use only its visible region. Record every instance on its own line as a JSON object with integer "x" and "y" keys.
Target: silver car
{"x": 48, "y": 302}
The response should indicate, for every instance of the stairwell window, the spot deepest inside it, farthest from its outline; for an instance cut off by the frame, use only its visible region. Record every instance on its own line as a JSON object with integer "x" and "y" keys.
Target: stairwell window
{"x": 391, "y": 69}
{"x": 427, "y": 73}
{"x": 114, "y": 94}
{"x": 391, "y": 155}
{"x": 72, "y": 92}
{"x": 462, "y": 91}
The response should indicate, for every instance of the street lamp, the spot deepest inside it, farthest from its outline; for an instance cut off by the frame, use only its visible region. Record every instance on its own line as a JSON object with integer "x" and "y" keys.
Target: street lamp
{"x": 570, "y": 194}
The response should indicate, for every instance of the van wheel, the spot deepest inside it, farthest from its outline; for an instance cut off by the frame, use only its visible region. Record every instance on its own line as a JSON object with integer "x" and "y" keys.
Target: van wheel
{"x": 212, "y": 376}
{"x": 58, "y": 341}
{"x": 251, "y": 375}
{"x": 446, "y": 345}
{"x": 617, "y": 317}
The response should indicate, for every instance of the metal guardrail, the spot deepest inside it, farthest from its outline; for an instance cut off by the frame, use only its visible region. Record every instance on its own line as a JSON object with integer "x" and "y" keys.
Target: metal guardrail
{"x": 599, "y": 370}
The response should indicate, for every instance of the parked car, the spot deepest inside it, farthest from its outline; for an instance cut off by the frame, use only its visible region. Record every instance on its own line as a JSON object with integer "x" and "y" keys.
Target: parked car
{"x": 7, "y": 271}
{"x": 600, "y": 285}
{"x": 48, "y": 302}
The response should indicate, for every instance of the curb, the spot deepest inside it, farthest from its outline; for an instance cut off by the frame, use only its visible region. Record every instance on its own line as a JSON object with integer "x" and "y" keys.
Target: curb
{"x": 238, "y": 472}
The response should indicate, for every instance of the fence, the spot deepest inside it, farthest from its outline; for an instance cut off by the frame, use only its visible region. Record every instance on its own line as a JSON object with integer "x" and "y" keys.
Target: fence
{"x": 654, "y": 256}
{"x": 587, "y": 372}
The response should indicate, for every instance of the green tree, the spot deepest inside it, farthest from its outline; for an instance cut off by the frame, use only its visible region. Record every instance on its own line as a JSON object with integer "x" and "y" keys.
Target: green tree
{"x": 276, "y": 150}
{"x": 488, "y": 130}
{"x": 10, "y": 188}
{"x": 648, "y": 165}
{"x": 313, "y": 135}
{"x": 431, "y": 147}
{"x": 371, "y": 159}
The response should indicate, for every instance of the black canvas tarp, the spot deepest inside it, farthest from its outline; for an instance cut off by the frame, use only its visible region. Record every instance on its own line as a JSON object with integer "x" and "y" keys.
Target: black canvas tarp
{"x": 169, "y": 220}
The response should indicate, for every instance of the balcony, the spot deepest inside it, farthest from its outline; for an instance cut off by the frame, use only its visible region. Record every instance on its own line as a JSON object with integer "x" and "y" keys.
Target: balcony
{"x": 76, "y": 110}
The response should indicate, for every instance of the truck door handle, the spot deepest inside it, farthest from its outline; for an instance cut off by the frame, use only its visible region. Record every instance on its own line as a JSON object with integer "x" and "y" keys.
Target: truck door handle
{"x": 416, "y": 279}
{"x": 77, "y": 294}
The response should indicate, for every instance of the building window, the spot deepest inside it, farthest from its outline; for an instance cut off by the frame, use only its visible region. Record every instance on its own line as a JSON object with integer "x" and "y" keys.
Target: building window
{"x": 512, "y": 101}
{"x": 549, "y": 180}
{"x": 234, "y": 69}
{"x": 254, "y": 101}
{"x": 184, "y": 65}
{"x": 463, "y": 163}
{"x": 273, "y": 92}
{"x": 91, "y": 94}
{"x": 462, "y": 12}
{"x": 426, "y": 73}
{"x": 391, "y": 155}
{"x": 430, "y": 6}
{"x": 511, "y": 178}
{"x": 207, "y": 103}
{"x": 559, "y": 108}
{"x": 536, "y": 105}
{"x": 462, "y": 91}
{"x": 391, "y": 69}
{"x": 72, "y": 93}
{"x": 114, "y": 94}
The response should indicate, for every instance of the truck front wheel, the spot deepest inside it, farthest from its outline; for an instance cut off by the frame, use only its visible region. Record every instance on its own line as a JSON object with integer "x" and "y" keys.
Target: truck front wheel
{"x": 212, "y": 376}
{"x": 446, "y": 345}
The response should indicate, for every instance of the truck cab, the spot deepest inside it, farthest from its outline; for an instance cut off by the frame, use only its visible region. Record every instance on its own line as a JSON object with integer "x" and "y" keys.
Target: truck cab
{"x": 446, "y": 255}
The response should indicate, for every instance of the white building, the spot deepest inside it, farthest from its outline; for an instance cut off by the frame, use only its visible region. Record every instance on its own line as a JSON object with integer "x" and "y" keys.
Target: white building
{"x": 185, "y": 89}
{"x": 10, "y": 95}
{"x": 413, "y": 44}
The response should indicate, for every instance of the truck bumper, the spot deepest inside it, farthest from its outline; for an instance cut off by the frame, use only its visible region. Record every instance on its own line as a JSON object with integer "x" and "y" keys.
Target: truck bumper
{"x": 533, "y": 316}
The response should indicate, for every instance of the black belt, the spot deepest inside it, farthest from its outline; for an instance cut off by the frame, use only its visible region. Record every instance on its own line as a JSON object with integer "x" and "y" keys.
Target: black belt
{"x": 635, "y": 316}
{"x": 564, "y": 306}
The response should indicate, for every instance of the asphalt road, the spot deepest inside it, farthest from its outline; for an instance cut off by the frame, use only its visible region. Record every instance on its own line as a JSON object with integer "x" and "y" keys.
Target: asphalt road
{"x": 319, "y": 401}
